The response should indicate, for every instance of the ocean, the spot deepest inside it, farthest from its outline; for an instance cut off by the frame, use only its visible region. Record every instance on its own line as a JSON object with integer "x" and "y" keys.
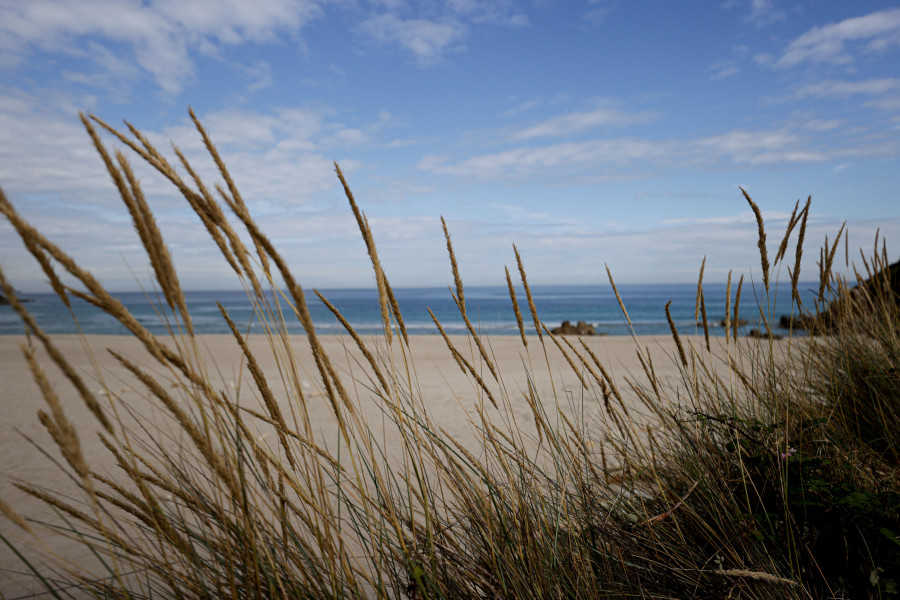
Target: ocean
{"x": 489, "y": 309}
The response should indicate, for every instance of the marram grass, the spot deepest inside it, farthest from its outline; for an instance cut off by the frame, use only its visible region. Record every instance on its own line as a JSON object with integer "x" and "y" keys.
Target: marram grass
{"x": 769, "y": 469}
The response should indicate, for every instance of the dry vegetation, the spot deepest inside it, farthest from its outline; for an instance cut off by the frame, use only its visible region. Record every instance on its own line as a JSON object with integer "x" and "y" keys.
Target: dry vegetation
{"x": 777, "y": 480}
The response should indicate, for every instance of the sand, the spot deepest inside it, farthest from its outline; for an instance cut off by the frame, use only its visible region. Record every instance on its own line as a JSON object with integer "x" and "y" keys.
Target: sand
{"x": 449, "y": 394}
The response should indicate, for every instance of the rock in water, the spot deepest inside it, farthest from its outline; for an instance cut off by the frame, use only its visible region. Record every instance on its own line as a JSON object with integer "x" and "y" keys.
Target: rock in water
{"x": 741, "y": 323}
{"x": 580, "y": 328}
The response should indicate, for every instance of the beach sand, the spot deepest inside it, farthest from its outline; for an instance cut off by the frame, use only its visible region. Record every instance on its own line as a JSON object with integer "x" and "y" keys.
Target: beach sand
{"x": 449, "y": 395}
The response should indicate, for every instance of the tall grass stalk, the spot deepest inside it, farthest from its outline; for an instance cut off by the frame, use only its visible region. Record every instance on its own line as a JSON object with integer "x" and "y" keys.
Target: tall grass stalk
{"x": 764, "y": 469}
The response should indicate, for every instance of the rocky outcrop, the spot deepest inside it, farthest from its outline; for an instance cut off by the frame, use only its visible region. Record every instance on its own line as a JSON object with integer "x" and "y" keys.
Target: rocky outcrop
{"x": 797, "y": 322}
{"x": 4, "y": 301}
{"x": 847, "y": 307}
{"x": 580, "y": 328}
{"x": 761, "y": 335}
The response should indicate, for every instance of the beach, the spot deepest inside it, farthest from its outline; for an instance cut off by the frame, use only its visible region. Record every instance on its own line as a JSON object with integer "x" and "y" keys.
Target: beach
{"x": 451, "y": 397}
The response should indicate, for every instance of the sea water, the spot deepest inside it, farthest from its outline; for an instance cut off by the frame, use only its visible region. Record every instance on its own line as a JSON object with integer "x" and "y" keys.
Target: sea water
{"x": 488, "y": 308}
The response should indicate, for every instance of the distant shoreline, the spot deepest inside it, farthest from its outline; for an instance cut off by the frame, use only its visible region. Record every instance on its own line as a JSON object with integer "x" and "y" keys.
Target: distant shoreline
{"x": 489, "y": 309}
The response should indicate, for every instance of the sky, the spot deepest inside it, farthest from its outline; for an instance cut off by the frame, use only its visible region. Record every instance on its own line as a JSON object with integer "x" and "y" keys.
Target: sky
{"x": 590, "y": 133}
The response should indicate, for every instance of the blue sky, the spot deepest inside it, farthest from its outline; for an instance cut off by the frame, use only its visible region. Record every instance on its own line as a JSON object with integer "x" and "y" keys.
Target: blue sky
{"x": 589, "y": 133}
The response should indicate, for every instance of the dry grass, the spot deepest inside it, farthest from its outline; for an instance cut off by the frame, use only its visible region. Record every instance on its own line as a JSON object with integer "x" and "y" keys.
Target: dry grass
{"x": 778, "y": 479}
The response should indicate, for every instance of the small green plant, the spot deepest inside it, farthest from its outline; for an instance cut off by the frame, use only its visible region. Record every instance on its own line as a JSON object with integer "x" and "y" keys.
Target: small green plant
{"x": 806, "y": 488}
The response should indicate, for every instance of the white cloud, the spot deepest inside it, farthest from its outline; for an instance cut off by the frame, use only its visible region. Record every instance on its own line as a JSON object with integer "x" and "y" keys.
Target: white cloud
{"x": 522, "y": 107}
{"x": 579, "y": 122}
{"x": 429, "y": 31}
{"x": 347, "y": 137}
{"x": 723, "y": 69}
{"x": 884, "y": 93}
{"x": 830, "y": 88}
{"x": 763, "y": 12}
{"x": 161, "y": 34}
{"x": 890, "y": 104}
{"x": 740, "y": 219}
{"x": 754, "y": 148}
{"x": 281, "y": 159}
{"x": 558, "y": 157}
{"x": 287, "y": 129}
{"x": 51, "y": 172}
{"x": 324, "y": 249}
{"x": 499, "y": 12}
{"x": 561, "y": 250}
{"x": 38, "y": 149}
{"x": 427, "y": 40}
{"x": 392, "y": 190}
{"x": 764, "y": 60}
{"x": 598, "y": 13}
{"x": 115, "y": 74}
{"x": 237, "y": 21}
{"x": 822, "y": 124}
{"x": 608, "y": 157}
{"x": 260, "y": 73}
{"x": 875, "y": 32}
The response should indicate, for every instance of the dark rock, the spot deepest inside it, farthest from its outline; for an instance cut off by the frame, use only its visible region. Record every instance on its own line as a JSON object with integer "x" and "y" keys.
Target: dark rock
{"x": 564, "y": 329}
{"x": 757, "y": 334}
{"x": 583, "y": 328}
{"x": 580, "y": 328}
{"x": 797, "y": 322}
{"x": 848, "y": 306}
{"x": 4, "y": 301}
{"x": 741, "y": 323}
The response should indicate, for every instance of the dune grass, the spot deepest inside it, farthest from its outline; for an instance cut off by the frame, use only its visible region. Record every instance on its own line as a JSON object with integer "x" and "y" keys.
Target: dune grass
{"x": 768, "y": 470}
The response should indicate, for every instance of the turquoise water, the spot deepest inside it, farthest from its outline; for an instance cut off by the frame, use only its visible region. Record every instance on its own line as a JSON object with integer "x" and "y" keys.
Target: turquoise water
{"x": 489, "y": 308}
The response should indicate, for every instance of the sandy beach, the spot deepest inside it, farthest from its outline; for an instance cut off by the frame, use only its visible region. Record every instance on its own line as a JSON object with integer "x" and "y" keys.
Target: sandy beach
{"x": 448, "y": 393}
